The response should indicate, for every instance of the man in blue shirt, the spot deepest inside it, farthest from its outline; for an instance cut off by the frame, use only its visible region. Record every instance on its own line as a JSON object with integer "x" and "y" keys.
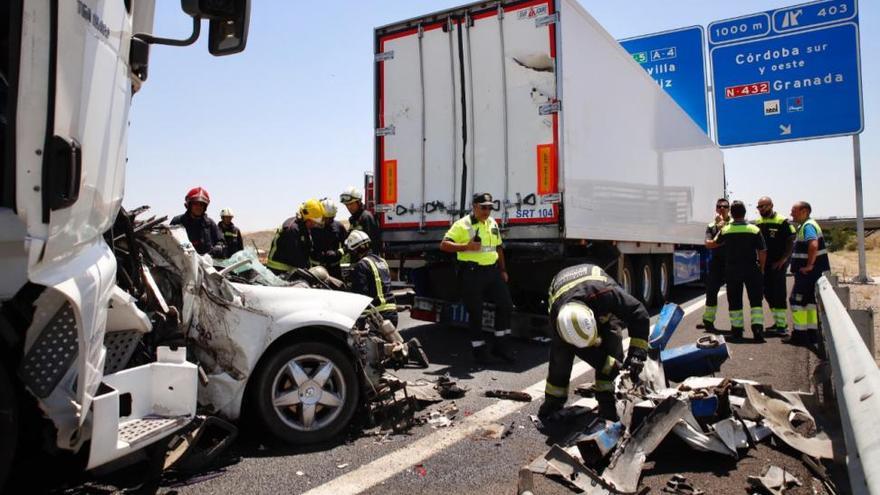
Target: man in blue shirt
{"x": 809, "y": 260}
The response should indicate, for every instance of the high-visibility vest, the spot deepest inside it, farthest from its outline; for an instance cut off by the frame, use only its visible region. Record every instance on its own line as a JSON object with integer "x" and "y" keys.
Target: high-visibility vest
{"x": 800, "y": 254}
{"x": 464, "y": 231}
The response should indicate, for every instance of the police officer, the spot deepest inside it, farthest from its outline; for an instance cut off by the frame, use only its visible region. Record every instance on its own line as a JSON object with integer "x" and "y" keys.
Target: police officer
{"x": 809, "y": 261}
{"x": 715, "y": 271}
{"x": 583, "y": 300}
{"x": 360, "y": 218}
{"x": 476, "y": 240}
{"x": 745, "y": 255}
{"x": 779, "y": 237}
{"x": 231, "y": 235}
{"x": 292, "y": 243}
{"x": 327, "y": 241}
{"x": 203, "y": 233}
{"x": 370, "y": 275}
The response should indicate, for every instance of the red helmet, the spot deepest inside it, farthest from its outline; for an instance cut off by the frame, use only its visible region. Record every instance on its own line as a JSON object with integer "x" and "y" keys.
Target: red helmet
{"x": 197, "y": 194}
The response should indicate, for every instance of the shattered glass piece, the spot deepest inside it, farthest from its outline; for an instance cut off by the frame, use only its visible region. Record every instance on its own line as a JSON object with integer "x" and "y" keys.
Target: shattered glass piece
{"x": 732, "y": 433}
{"x": 260, "y": 276}
{"x": 757, "y": 431}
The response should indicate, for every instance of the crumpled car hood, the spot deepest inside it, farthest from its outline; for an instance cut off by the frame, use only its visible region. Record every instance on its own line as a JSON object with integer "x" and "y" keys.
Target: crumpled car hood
{"x": 282, "y": 302}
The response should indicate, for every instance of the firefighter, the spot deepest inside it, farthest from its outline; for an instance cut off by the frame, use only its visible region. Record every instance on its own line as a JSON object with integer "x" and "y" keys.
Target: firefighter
{"x": 745, "y": 255}
{"x": 203, "y": 233}
{"x": 327, "y": 241}
{"x": 779, "y": 237}
{"x": 584, "y": 302}
{"x": 231, "y": 234}
{"x": 360, "y": 218}
{"x": 292, "y": 243}
{"x": 370, "y": 275}
{"x": 715, "y": 270}
{"x": 809, "y": 260}
{"x": 476, "y": 240}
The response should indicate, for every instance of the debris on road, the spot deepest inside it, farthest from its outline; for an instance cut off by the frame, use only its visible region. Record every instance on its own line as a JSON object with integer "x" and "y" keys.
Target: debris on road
{"x": 491, "y": 431}
{"x": 508, "y": 395}
{"x": 678, "y": 485}
{"x": 443, "y": 417}
{"x": 342, "y": 466}
{"x": 448, "y": 388}
{"x": 420, "y": 470}
{"x": 774, "y": 481}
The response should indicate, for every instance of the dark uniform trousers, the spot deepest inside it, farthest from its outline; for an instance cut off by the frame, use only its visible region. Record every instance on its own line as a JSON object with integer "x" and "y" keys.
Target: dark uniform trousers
{"x": 606, "y": 359}
{"x": 481, "y": 283}
{"x": 714, "y": 281}
{"x": 754, "y": 285}
{"x": 775, "y": 293}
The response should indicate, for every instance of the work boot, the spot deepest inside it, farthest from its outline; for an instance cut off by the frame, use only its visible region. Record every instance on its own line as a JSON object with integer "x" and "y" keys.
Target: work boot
{"x": 758, "y": 333}
{"x": 737, "y": 332}
{"x": 776, "y": 331}
{"x": 797, "y": 338}
{"x": 813, "y": 336}
{"x": 501, "y": 350}
{"x": 550, "y": 407}
{"x": 708, "y": 326}
{"x": 607, "y": 406}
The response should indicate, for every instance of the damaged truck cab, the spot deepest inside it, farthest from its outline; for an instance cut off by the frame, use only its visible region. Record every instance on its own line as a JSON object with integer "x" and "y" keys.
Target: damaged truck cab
{"x": 69, "y": 331}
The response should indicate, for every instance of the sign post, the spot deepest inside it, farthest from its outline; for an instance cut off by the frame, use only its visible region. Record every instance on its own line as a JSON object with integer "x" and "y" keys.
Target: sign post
{"x": 791, "y": 74}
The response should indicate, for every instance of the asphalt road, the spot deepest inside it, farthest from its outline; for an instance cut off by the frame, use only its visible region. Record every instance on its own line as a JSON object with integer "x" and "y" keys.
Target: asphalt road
{"x": 458, "y": 460}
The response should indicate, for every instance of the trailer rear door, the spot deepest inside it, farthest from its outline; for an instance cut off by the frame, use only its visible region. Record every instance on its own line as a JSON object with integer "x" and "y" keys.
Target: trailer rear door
{"x": 505, "y": 132}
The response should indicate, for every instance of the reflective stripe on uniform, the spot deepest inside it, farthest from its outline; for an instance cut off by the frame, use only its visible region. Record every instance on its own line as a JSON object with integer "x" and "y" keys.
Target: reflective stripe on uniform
{"x": 757, "y": 315}
{"x": 804, "y": 256}
{"x": 609, "y": 366}
{"x": 780, "y": 317}
{"x": 380, "y": 294}
{"x": 638, "y": 343}
{"x": 603, "y": 386}
{"x": 799, "y": 317}
{"x": 553, "y": 390}
{"x": 709, "y": 314}
{"x": 478, "y": 343}
{"x": 277, "y": 265}
{"x": 812, "y": 317}
{"x": 736, "y": 318}
{"x": 596, "y": 276}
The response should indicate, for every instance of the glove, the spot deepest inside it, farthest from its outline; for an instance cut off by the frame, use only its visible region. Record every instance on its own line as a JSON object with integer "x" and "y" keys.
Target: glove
{"x": 635, "y": 361}
{"x": 217, "y": 251}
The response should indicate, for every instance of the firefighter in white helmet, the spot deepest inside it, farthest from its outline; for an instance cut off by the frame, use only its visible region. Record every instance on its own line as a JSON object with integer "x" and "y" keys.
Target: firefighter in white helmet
{"x": 584, "y": 302}
{"x": 360, "y": 218}
{"x": 370, "y": 275}
{"x": 231, "y": 234}
{"x": 327, "y": 240}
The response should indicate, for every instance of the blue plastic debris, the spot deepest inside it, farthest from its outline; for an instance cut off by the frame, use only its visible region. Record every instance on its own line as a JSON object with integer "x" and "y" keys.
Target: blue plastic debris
{"x": 700, "y": 359}
{"x": 596, "y": 445}
{"x": 670, "y": 316}
{"x": 706, "y": 407}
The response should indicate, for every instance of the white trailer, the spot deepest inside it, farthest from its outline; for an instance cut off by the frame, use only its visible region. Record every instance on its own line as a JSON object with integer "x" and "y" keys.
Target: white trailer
{"x": 534, "y": 102}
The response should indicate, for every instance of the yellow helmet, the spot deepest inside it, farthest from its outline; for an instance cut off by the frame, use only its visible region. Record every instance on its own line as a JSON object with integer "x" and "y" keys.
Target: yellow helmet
{"x": 311, "y": 210}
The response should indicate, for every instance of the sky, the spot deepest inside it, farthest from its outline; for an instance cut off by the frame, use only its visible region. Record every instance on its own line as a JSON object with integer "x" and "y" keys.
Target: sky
{"x": 291, "y": 117}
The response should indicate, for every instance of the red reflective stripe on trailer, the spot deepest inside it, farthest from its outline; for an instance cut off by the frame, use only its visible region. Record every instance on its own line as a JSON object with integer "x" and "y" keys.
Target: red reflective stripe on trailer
{"x": 408, "y": 225}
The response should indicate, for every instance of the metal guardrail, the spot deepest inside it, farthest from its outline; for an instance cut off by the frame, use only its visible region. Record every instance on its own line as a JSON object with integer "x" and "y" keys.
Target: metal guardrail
{"x": 856, "y": 381}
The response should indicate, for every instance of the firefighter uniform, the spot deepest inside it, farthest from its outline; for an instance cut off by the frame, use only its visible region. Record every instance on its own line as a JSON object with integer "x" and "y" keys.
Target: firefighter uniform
{"x": 480, "y": 276}
{"x": 803, "y": 296}
{"x": 231, "y": 237}
{"x": 777, "y": 232}
{"x": 364, "y": 221}
{"x": 327, "y": 243}
{"x": 290, "y": 247}
{"x": 371, "y": 277}
{"x": 590, "y": 285}
{"x": 714, "y": 277}
{"x": 203, "y": 233}
{"x": 741, "y": 242}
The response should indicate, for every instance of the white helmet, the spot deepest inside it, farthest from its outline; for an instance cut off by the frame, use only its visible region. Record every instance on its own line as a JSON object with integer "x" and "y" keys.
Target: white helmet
{"x": 329, "y": 208}
{"x": 226, "y": 212}
{"x": 577, "y": 325}
{"x": 350, "y": 195}
{"x": 358, "y": 239}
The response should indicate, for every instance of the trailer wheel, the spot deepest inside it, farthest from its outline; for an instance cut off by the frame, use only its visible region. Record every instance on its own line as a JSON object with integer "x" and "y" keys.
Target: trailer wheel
{"x": 644, "y": 280}
{"x": 627, "y": 275}
{"x": 306, "y": 392}
{"x": 663, "y": 282}
{"x": 8, "y": 425}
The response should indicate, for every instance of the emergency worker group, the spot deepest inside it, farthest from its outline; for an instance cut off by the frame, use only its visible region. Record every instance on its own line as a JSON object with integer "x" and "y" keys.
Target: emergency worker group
{"x": 588, "y": 309}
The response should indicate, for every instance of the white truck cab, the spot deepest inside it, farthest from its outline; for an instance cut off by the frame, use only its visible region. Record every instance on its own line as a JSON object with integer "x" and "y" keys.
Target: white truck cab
{"x": 68, "y": 71}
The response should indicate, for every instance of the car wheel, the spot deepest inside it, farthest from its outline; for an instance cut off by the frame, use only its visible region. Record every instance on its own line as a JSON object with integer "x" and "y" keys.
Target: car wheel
{"x": 306, "y": 392}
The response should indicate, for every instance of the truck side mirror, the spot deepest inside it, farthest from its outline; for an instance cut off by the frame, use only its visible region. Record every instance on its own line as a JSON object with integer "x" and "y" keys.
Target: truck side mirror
{"x": 228, "y": 26}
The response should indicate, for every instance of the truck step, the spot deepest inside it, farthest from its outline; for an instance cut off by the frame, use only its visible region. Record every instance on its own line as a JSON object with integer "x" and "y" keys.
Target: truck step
{"x": 139, "y": 430}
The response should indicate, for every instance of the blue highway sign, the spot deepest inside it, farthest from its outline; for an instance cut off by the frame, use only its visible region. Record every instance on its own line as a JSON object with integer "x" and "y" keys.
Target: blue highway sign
{"x": 787, "y": 74}
{"x": 674, "y": 59}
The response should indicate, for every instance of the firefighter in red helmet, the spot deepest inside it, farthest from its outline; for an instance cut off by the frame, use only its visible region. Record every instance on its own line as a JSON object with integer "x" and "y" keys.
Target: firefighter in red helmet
{"x": 203, "y": 232}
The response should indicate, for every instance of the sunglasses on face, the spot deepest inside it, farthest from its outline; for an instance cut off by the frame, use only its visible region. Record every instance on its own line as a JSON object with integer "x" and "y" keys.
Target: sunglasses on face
{"x": 725, "y": 207}
{"x": 484, "y": 207}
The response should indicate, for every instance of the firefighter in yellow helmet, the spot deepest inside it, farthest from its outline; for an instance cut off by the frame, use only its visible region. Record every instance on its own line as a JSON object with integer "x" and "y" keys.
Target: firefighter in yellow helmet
{"x": 292, "y": 243}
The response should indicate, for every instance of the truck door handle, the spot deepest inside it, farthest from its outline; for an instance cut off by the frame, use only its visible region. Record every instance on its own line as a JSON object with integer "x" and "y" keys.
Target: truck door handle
{"x": 530, "y": 200}
{"x": 62, "y": 173}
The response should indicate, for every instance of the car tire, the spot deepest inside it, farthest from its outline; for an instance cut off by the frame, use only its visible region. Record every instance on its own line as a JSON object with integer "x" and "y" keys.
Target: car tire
{"x": 306, "y": 392}
{"x": 8, "y": 425}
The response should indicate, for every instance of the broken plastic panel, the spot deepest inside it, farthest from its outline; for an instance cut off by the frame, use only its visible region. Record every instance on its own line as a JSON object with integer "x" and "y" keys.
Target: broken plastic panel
{"x": 702, "y": 358}
{"x": 669, "y": 319}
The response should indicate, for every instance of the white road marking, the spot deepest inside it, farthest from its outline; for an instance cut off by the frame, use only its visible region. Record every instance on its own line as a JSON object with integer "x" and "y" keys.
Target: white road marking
{"x": 385, "y": 467}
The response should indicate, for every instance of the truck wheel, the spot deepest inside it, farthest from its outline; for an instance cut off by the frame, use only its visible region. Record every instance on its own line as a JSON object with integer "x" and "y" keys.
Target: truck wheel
{"x": 306, "y": 392}
{"x": 8, "y": 425}
{"x": 644, "y": 280}
{"x": 663, "y": 281}
{"x": 627, "y": 275}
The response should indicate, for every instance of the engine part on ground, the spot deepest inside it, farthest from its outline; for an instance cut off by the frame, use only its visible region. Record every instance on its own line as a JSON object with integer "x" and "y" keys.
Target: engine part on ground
{"x": 195, "y": 450}
{"x": 448, "y": 388}
{"x": 678, "y": 485}
{"x": 508, "y": 395}
{"x": 774, "y": 481}
{"x": 417, "y": 354}
{"x": 699, "y": 359}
